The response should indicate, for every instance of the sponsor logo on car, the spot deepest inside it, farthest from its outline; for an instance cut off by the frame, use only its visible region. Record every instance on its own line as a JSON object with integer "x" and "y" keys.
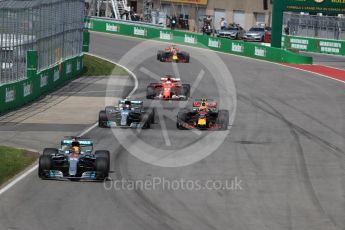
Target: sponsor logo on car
{"x": 27, "y": 89}
{"x": 10, "y": 95}
{"x": 112, "y": 27}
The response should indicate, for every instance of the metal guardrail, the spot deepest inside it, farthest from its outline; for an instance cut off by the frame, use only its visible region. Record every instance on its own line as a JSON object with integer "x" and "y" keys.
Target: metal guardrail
{"x": 52, "y": 27}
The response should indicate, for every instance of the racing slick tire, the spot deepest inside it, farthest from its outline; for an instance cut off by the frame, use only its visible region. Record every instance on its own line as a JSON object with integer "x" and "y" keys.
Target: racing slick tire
{"x": 160, "y": 55}
{"x": 186, "y": 90}
{"x": 223, "y": 119}
{"x": 150, "y": 92}
{"x": 146, "y": 125}
{"x": 102, "y": 168}
{"x": 181, "y": 117}
{"x": 147, "y": 119}
{"x": 44, "y": 164}
{"x": 186, "y": 56}
{"x": 104, "y": 154}
{"x": 102, "y": 118}
{"x": 50, "y": 151}
{"x": 153, "y": 115}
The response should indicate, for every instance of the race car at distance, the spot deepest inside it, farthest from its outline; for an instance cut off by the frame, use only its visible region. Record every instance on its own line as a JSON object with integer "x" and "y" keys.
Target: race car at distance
{"x": 173, "y": 54}
{"x": 75, "y": 160}
{"x": 168, "y": 89}
{"x": 204, "y": 116}
{"x": 127, "y": 114}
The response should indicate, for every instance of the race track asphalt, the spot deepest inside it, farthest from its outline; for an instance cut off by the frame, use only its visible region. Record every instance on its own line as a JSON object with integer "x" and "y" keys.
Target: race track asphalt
{"x": 284, "y": 152}
{"x": 327, "y": 60}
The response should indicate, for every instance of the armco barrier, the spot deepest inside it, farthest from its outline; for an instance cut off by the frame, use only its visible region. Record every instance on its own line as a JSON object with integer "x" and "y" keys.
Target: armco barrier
{"x": 315, "y": 45}
{"x": 21, "y": 92}
{"x": 193, "y": 39}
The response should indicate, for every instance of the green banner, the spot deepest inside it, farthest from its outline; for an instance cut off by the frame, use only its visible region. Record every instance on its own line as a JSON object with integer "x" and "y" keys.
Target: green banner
{"x": 19, "y": 93}
{"x": 253, "y": 50}
{"x": 324, "y": 6}
{"x": 325, "y": 46}
{"x": 86, "y": 41}
{"x": 318, "y": 6}
{"x": 31, "y": 64}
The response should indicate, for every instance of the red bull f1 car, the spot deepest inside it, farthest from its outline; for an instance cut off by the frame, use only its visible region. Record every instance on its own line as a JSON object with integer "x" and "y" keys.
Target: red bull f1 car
{"x": 168, "y": 89}
{"x": 204, "y": 116}
{"x": 75, "y": 160}
{"x": 173, "y": 54}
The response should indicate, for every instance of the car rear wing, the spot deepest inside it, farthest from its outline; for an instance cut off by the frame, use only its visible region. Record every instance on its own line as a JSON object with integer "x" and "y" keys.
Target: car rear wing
{"x": 169, "y": 48}
{"x": 135, "y": 103}
{"x": 82, "y": 142}
{"x": 171, "y": 79}
{"x": 212, "y": 104}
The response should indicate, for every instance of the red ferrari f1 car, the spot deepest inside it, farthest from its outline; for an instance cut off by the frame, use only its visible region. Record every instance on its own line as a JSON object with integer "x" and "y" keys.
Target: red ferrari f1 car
{"x": 173, "y": 54}
{"x": 204, "y": 116}
{"x": 168, "y": 89}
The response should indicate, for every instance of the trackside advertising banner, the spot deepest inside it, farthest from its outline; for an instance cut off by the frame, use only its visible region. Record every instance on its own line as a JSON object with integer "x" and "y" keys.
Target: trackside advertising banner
{"x": 19, "y": 93}
{"x": 335, "y": 47}
{"x": 254, "y": 50}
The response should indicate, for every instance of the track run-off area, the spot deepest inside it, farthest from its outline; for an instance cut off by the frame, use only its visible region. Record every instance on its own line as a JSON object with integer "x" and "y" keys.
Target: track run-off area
{"x": 280, "y": 165}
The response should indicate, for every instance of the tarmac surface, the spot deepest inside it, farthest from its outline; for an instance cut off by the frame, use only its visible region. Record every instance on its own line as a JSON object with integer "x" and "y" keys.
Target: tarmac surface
{"x": 279, "y": 166}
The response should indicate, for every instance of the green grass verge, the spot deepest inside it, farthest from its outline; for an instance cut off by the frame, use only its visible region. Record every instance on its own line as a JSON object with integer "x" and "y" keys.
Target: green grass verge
{"x": 12, "y": 161}
{"x": 97, "y": 67}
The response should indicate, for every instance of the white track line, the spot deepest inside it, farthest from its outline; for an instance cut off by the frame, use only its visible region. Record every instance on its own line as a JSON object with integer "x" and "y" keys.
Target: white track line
{"x": 136, "y": 85}
{"x": 19, "y": 178}
{"x": 322, "y": 75}
{"x": 136, "y": 82}
{"x": 35, "y": 167}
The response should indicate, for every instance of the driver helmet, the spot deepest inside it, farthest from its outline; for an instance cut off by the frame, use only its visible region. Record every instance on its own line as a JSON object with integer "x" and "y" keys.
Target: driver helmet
{"x": 168, "y": 81}
{"x": 203, "y": 107}
{"x": 76, "y": 150}
{"x": 128, "y": 105}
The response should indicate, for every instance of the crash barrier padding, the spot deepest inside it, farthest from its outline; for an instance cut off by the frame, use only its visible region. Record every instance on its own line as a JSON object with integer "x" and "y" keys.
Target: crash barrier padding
{"x": 316, "y": 45}
{"x": 37, "y": 83}
{"x": 248, "y": 49}
{"x": 86, "y": 41}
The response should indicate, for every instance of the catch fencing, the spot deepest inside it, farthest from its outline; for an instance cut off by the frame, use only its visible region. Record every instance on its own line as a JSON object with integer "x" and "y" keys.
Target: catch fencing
{"x": 314, "y": 26}
{"x": 53, "y": 28}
